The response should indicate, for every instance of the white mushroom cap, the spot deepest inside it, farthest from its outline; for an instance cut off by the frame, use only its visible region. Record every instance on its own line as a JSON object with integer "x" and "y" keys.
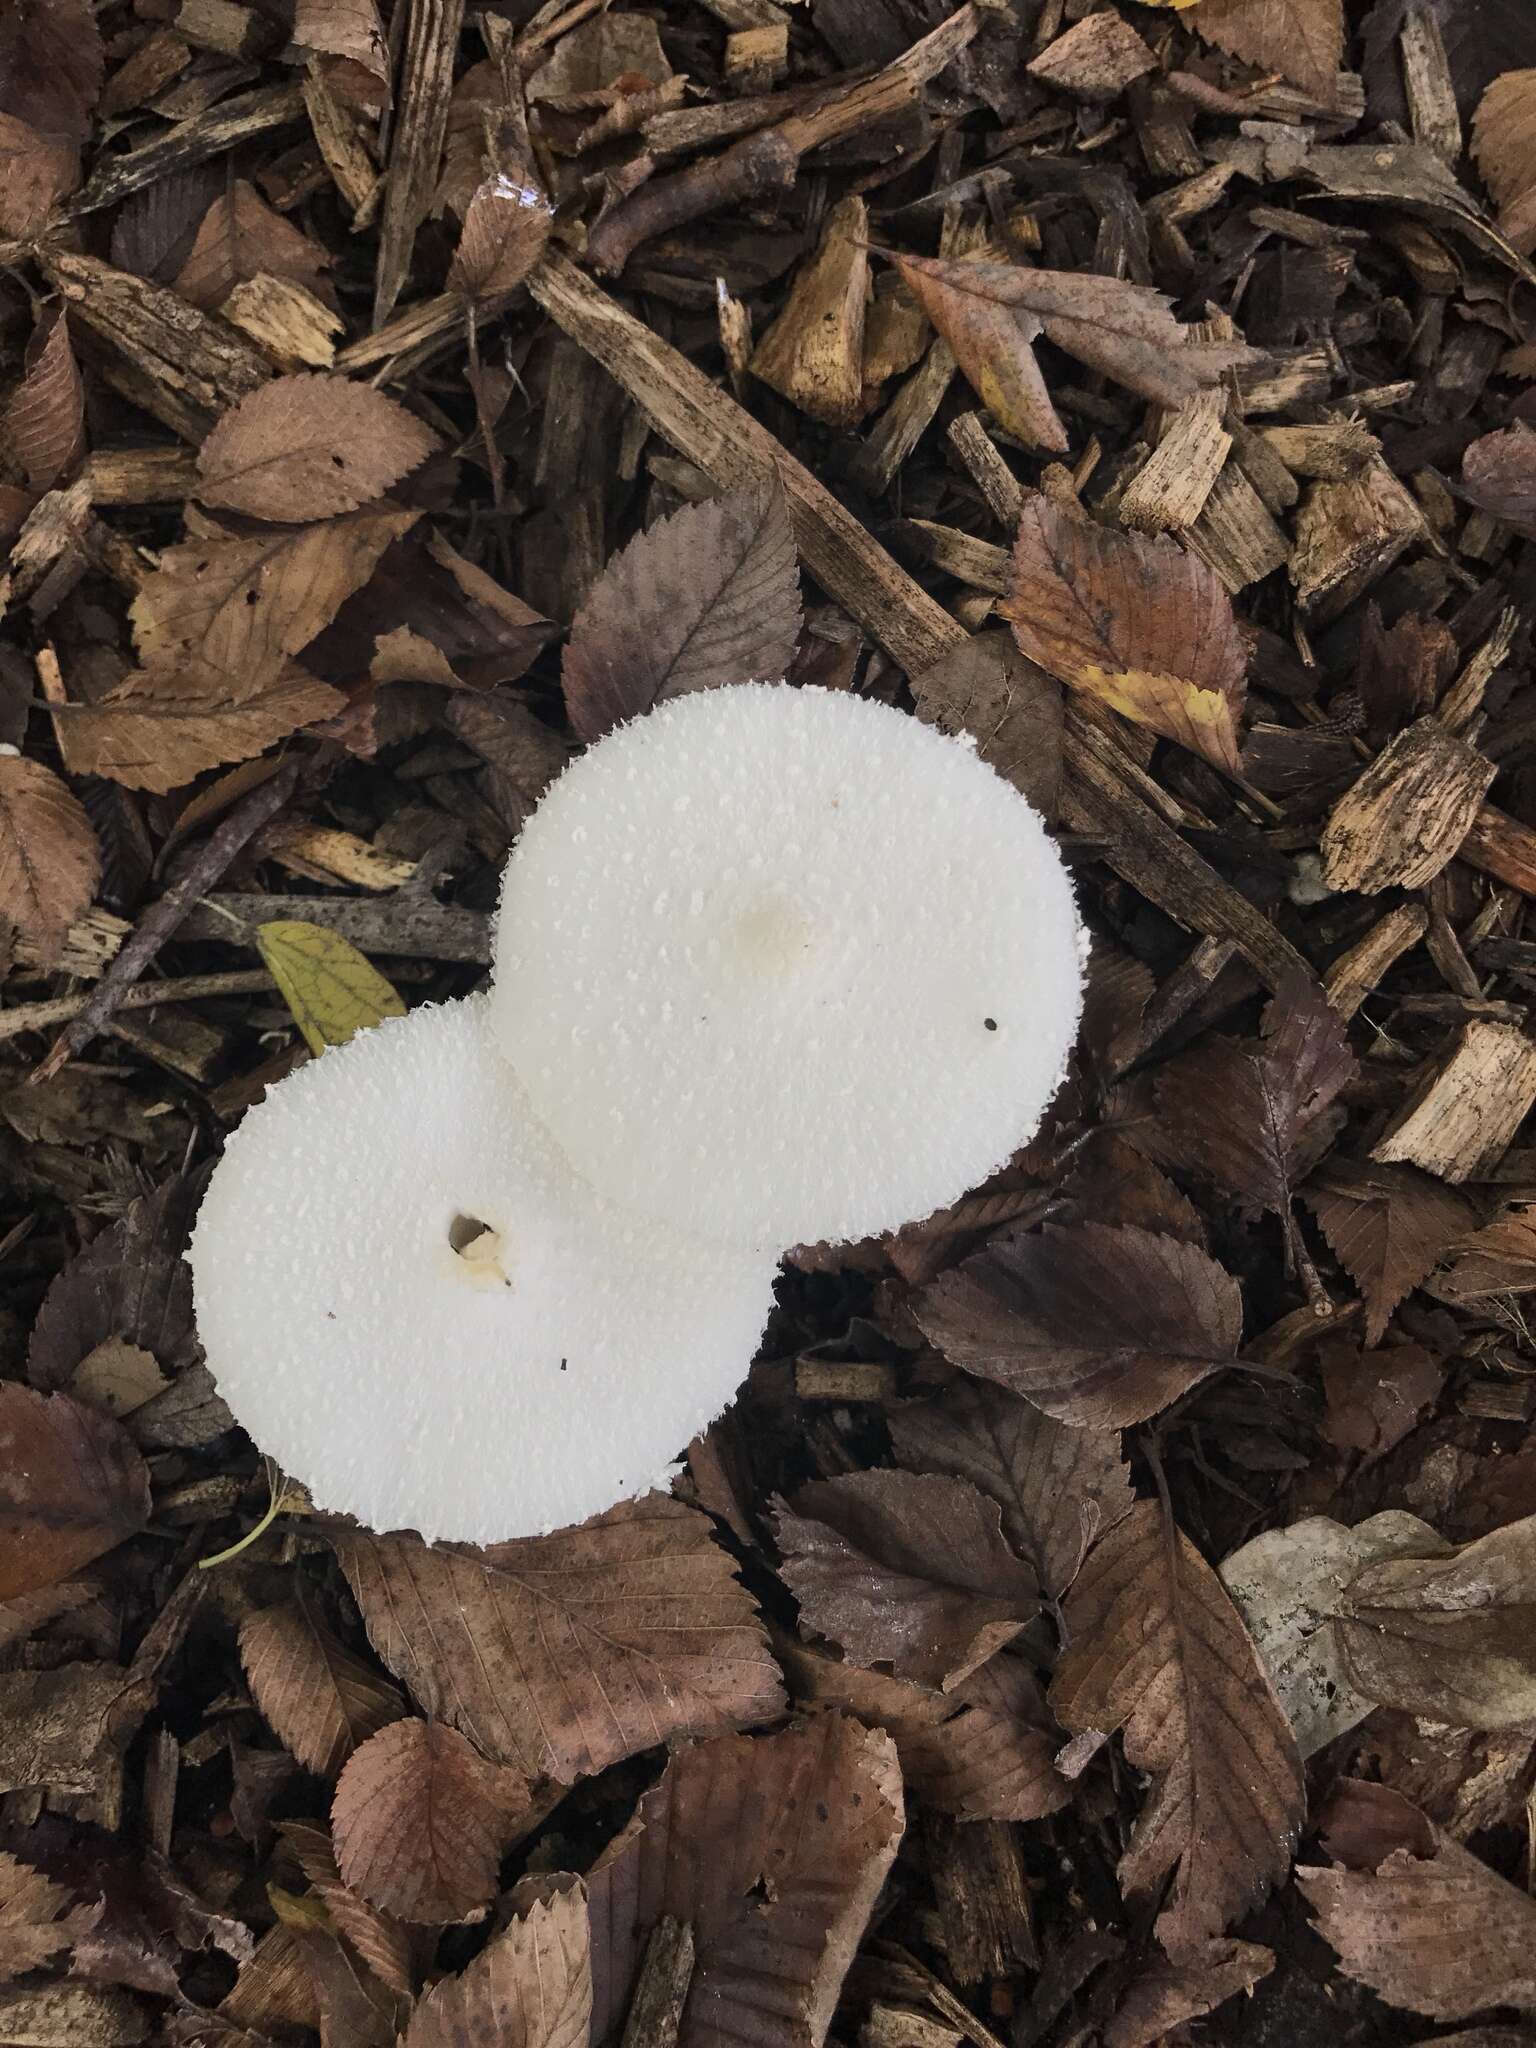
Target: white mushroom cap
{"x": 779, "y": 965}
{"x": 548, "y": 1371}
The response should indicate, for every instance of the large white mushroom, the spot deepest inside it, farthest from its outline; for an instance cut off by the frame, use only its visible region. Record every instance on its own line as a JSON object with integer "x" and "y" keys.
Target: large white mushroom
{"x": 777, "y": 965}
{"x": 410, "y": 1301}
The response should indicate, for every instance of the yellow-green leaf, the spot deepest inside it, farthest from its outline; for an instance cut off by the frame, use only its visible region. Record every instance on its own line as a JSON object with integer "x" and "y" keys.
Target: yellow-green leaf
{"x": 331, "y": 989}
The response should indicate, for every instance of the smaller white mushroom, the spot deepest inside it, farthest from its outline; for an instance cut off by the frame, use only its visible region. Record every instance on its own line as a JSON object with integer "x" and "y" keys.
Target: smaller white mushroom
{"x": 412, "y": 1303}
{"x": 777, "y": 965}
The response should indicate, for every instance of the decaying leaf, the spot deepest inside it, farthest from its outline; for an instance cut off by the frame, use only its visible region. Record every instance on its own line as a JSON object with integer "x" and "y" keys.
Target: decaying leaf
{"x": 49, "y": 859}
{"x": 505, "y": 231}
{"x": 773, "y": 1850}
{"x": 530, "y": 1987}
{"x": 36, "y": 170}
{"x": 130, "y": 1283}
{"x": 66, "y": 1727}
{"x": 420, "y": 1821}
{"x": 384, "y": 1943}
{"x": 309, "y": 447}
{"x": 1441, "y": 1935}
{"x": 1134, "y": 621}
{"x": 319, "y": 1700}
{"x": 71, "y": 1487}
{"x": 1498, "y": 473}
{"x": 118, "y": 1378}
{"x": 333, "y": 990}
{"x": 1158, "y": 1651}
{"x": 561, "y": 1654}
{"x": 907, "y": 1569}
{"x": 985, "y": 1750}
{"x": 1374, "y": 1398}
{"x": 51, "y": 65}
{"x": 161, "y": 727}
{"x": 708, "y": 596}
{"x": 1387, "y": 1226}
{"x": 1099, "y": 1326}
{"x": 1165, "y": 1995}
{"x": 993, "y": 344}
{"x": 1301, "y": 39}
{"x": 1504, "y": 143}
{"x": 241, "y": 237}
{"x": 42, "y": 423}
{"x": 1277, "y": 1098}
{"x": 1059, "y": 1488}
{"x": 1449, "y": 1638}
{"x": 1012, "y": 709}
{"x": 37, "y": 1918}
{"x": 349, "y": 30}
{"x": 1499, "y": 1259}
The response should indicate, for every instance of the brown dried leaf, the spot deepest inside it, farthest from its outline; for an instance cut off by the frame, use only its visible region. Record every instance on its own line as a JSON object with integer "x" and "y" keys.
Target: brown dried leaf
{"x": 43, "y": 420}
{"x": 309, "y": 447}
{"x": 1134, "y": 621}
{"x": 1301, "y": 39}
{"x": 161, "y": 727}
{"x": 34, "y": 1923}
{"x": 348, "y": 29}
{"x": 1498, "y": 473}
{"x": 71, "y": 1487}
{"x": 118, "y": 1378}
{"x": 561, "y": 1654}
{"x": 49, "y": 860}
{"x": 319, "y": 1700}
{"x": 983, "y": 1751}
{"x": 36, "y": 170}
{"x": 1449, "y": 1638}
{"x": 708, "y": 596}
{"x": 531, "y": 1987}
{"x": 246, "y": 605}
{"x": 383, "y": 1942}
{"x": 1058, "y": 1488}
{"x": 907, "y": 1569}
{"x": 51, "y": 65}
{"x": 130, "y": 1282}
{"x": 773, "y": 1850}
{"x": 1126, "y": 331}
{"x": 1158, "y": 1651}
{"x": 1499, "y": 1259}
{"x": 1375, "y": 1397}
{"x": 420, "y": 1821}
{"x": 1165, "y": 1995}
{"x": 1013, "y": 710}
{"x": 1504, "y": 144}
{"x": 1276, "y": 1099}
{"x": 1098, "y": 1326}
{"x": 506, "y": 228}
{"x": 1387, "y": 1226}
{"x": 241, "y": 237}
{"x": 1440, "y": 1935}
{"x": 992, "y": 343}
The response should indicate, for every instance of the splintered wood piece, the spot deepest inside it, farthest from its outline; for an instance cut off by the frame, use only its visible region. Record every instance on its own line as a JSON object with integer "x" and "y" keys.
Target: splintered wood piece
{"x": 405, "y": 923}
{"x": 896, "y": 332}
{"x": 1096, "y": 58}
{"x": 293, "y": 329}
{"x": 1427, "y": 84}
{"x": 161, "y": 57}
{"x": 1359, "y": 969}
{"x": 1460, "y": 1122}
{"x": 661, "y": 1989}
{"x": 813, "y": 354}
{"x": 141, "y": 476}
{"x": 1502, "y": 847}
{"x": 339, "y": 134}
{"x": 756, "y": 58}
{"x": 326, "y": 853}
{"x": 1348, "y": 534}
{"x": 981, "y": 563}
{"x": 1236, "y": 534}
{"x": 1408, "y": 813}
{"x": 988, "y": 471}
{"x": 977, "y": 1869}
{"x": 1170, "y": 490}
{"x": 426, "y": 87}
{"x": 902, "y": 425}
{"x": 162, "y": 354}
{"x": 1329, "y": 452}
{"x": 223, "y": 128}
{"x": 1269, "y": 476}
{"x": 225, "y": 28}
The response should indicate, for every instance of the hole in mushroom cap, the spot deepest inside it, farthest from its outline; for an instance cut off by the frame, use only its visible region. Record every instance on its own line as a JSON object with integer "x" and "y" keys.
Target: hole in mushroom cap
{"x": 472, "y": 1239}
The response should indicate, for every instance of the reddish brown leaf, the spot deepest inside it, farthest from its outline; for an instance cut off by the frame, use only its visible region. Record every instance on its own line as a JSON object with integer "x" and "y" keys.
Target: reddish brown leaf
{"x": 1058, "y": 1488}
{"x": 1375, "y": 1397}
{"x": 420, "y": 1821}
{"x": 71, "y": 1487}
{"x": 1158, "y": 1651}
{"x": 1498, "y": 473}
{"x": 51, "y": 65}
{"x": 349, "y": 30}
{"x": 1098, "y": 1326}
{"x": 506, "y": 228}
{"x": 1504, "y": 143}
{"x": 1440, "y": 1935}
{"x": 1134, "y": 621}
{"x": 49, "y": 862}
{"x": 561, "y": 1654}
{"x": 37, "y": 1918}
{"x": 381, "y": 1941}
{"x": 241, "y": 237}
{"x": 1165, "y": 1995}
{"x": 708, "y": 596}
{"x": 309, "y": 447}
{"x": 1301, "y": 39}
{"x": 1499, "y": 1259}
{"x": 531, "y": 1987}
{"x": 773, "y": 1850}
{"x": 905, "y": 1569}
{"x": 319, "y": 1699}
{"x": 43, "y": 419}
{"x": 161, "y": 727}
{"x": 1012, "y": 710}
{"x": 36, "y": 170}
{"x": 1276, "y": 1100}
{"x": 992, "y": 343}
{"x": 1387, "y": 1226}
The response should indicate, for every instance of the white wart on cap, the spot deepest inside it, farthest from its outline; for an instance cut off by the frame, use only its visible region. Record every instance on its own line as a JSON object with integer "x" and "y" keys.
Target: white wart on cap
{"x": 780, "y": 965}
{"x": 411, "y": 1302}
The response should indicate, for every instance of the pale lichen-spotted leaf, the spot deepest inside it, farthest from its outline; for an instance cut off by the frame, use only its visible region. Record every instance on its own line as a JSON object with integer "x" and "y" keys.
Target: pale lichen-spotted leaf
{"x": 42, "y": 423}
{"x": 318, "y": 1699}
{"x": 309, "y": 447}
{"x": 530, "y": 1987}
{"x": 1134, "y": 621}
{"x": 1158, "y": 1651}
{"x": 707, "y": 597}
{"x": 333, "y": 990}
{"x": 159, "y": 728}
{"x": 49, "y": 859}
{"x": 1301, "y": 39}
{"x": 72, "y": 1486}
{"x": 773, "y": 1851}
{"x": 562, "y": 1654}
